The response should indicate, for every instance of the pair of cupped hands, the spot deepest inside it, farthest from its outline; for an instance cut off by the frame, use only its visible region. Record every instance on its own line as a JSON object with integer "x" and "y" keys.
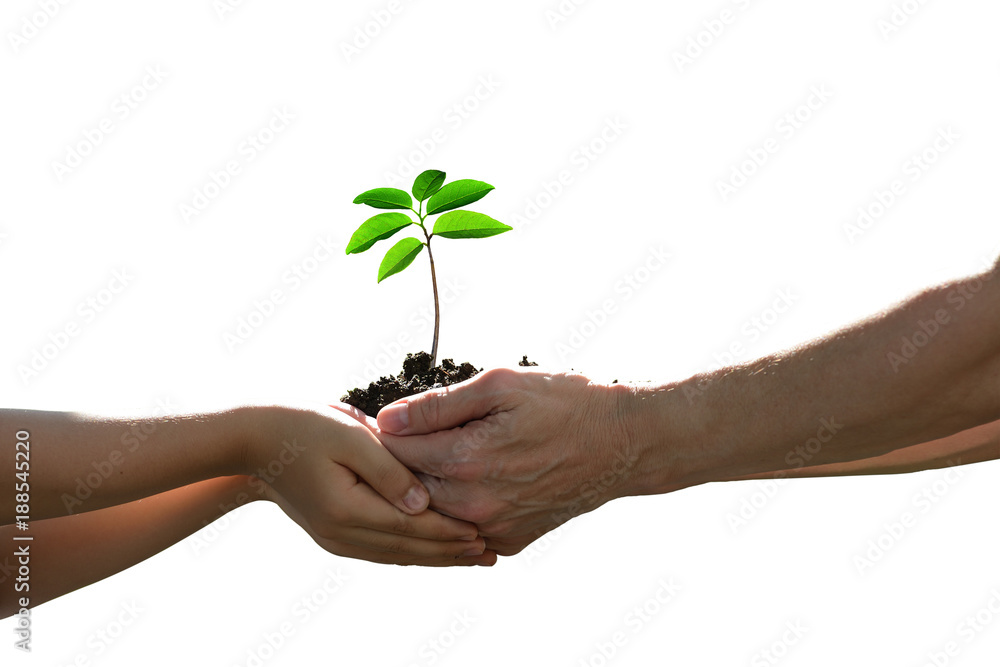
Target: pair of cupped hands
{"x": 454, "y": 476}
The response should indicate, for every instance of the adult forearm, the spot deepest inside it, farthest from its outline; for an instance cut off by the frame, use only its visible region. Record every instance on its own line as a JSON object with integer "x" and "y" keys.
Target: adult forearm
{"x": 974, "y": 445}
{"x": 918, "y": 372}
{"x": 79, "y": 463}
{"x": 71, "y": 552}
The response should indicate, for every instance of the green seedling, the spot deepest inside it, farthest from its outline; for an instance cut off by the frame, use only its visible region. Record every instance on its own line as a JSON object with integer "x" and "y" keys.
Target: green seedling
{"x": 440, "y": 197}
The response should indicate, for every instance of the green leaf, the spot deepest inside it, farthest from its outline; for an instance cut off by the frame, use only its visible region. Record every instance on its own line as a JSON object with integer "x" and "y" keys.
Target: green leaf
{"x": 399, "y": 257}
{"x": 468, "y": 225}
{"x": 427, "y": 184}
{"x": 457, "y": 194}
{"x": 385, "y": 198}
{"x": 376, "y": 228}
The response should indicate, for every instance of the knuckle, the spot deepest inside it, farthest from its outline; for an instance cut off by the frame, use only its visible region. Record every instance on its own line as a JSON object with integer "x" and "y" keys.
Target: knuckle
{"x": 392, "y": 546}
{"x": 459, "y": 550}
{"x": 385, "y": 473}
{"x": 480, "y": 512}
{"x": 402, "y": 525}
{"x": 429, "y": 408}
{"x": 499, "y": 378}
{"x": 464, "y": 471}
{"x": 434, "y": 485}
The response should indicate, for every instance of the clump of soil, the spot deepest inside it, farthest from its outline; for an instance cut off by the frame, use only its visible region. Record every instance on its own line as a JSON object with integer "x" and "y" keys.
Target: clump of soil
{"x": 417, "y": 376}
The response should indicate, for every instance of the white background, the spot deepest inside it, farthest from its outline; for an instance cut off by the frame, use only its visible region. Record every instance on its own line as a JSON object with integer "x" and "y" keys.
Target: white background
{"x": 359, "y": 119}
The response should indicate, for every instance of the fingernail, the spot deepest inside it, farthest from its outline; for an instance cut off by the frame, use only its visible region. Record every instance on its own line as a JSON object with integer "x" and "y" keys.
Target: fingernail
{"x": 416, "y": 498}
{"x": 394, "y": 418}
{"x": 474, "y": 552}
{"x": 469, "y": 538}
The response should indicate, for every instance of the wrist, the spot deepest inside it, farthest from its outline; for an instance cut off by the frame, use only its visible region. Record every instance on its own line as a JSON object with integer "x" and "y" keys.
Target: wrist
{"x": 257, "y": 426}
{"x": 231, "y": 493}
{"x": 666, "y": 434}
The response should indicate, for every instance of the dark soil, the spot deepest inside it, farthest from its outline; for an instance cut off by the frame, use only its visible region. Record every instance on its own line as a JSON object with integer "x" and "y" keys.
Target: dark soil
{"x": 417, "y": 376}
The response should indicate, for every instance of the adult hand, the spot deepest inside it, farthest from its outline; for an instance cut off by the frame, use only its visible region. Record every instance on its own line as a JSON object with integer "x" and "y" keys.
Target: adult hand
{"x": 516, "y": 452}
{"x": 325, "y": 468}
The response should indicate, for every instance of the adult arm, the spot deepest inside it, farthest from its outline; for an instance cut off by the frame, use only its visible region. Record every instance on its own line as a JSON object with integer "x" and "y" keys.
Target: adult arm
{"x": 920, "y": 372}
{"x": 520, "y": 452}
{"x": 974, "y": 445}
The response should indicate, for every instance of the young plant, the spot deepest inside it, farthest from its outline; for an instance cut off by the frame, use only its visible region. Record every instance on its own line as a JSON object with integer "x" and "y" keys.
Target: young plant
{"x": 430, "y": 187}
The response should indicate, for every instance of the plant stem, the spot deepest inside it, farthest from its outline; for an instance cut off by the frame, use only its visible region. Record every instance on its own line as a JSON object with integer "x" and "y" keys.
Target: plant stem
{"x": 437, "y": 308}
{"x": 434, "y": 285}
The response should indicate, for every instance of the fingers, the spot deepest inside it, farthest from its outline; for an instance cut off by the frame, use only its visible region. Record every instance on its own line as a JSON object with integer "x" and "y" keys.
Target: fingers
{"x": 456, "y": 453}
{"x": 428, "y": 539}
{"x": 373, "y": 463}
{"x": 357, "y": 414}
{"x": 368, "y": 510}
{"x": 428, "y": 454}
{"x": 487, "y": 559}
{"x": 414, "y": 547}
{"x": 447, "y": 407}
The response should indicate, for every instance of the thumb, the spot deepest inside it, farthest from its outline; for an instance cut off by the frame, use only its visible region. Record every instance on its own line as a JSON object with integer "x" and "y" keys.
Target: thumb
{"x": 390, "y": 478}
{"x": 441, "y": 409}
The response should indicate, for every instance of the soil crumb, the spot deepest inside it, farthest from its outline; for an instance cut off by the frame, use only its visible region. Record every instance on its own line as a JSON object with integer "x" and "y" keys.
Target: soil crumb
{"x": 417, "y": 376}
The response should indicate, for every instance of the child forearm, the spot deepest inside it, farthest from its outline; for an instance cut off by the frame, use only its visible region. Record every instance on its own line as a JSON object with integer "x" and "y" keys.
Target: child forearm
{"x": 68, "y": 553}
